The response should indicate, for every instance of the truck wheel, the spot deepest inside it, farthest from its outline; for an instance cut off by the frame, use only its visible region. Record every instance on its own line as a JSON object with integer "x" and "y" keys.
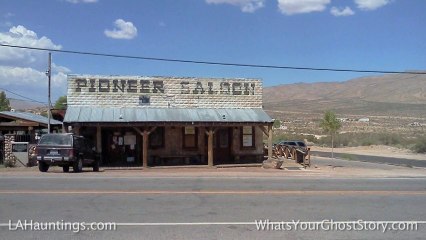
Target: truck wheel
{"x": 66, "y": 168}
{"x": 43, "y": 167}
{"x": 96, "y": 166}
{"x": 78, "y": 165}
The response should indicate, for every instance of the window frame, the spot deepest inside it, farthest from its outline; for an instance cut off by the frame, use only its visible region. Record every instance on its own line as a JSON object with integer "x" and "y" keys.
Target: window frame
{"x": 253, "y": 138}
{"x": 184, "y": 146}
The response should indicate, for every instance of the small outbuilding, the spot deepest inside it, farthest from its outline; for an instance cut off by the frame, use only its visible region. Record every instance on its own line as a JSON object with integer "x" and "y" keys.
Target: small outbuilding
{"x": 22, "y": 127}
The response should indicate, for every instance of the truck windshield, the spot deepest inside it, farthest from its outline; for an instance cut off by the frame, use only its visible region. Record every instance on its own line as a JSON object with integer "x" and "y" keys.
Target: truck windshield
{"x": 55, "y": 139}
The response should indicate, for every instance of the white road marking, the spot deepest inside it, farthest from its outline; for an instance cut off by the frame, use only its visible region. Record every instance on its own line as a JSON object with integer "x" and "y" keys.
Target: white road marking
{"x": 135, "y": 224}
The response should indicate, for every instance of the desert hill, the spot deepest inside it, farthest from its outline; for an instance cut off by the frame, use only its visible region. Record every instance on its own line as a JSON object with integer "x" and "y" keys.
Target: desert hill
{"x": 388, "y": 95}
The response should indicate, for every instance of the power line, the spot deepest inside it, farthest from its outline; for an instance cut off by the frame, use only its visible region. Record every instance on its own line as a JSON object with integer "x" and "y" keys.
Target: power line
{"x": 33, "y": 100}
{"x": 211, "y": 63}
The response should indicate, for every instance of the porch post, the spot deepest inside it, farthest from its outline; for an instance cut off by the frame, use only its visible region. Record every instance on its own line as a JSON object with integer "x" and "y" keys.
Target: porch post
{"x": 210, "y": 148}
{"x": 145, "y": 149}
{"x": 269, "y": 141}
{"x": 98, "y": 139}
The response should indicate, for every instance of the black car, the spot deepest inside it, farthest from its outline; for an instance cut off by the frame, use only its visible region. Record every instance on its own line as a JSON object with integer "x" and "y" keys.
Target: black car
{"x": 295, "y": 144}
{"x": 66, "y": 150}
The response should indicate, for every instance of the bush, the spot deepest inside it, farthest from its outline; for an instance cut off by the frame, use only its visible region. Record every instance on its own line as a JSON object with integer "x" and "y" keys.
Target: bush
{"x": 365, "y": 139}
{"x": 420, "y": 145}
{"x": 290, "y": 136}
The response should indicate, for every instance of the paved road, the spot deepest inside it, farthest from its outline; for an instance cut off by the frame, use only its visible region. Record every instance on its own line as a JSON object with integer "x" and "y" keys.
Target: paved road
{"x": 375, "y": 159}
{"x": 208, "y": 207}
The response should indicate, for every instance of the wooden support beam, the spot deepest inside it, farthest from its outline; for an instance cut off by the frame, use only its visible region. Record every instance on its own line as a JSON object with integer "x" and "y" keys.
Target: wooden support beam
{"x": 145, "y": 138}
{"x": 270, "y": 142}
{"x": 152, "y": 130}
{"x": 138, "y": 130}
{"x": 98, "y": 139}
{"x": 265, "y": 131}
{"x": 145, "y": 149}
{"x": 210, "y": 133}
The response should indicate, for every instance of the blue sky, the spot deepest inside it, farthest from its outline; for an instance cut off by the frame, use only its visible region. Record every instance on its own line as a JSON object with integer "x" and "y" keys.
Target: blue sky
{"x": 350, "y": 34}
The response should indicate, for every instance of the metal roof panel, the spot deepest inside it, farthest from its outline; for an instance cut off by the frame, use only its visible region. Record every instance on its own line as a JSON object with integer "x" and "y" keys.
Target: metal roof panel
{"x": 30, "y": 117}
{"x": 102, "y": 114}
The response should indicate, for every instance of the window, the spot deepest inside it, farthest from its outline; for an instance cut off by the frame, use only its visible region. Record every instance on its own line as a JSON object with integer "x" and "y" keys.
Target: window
{"x": 190, "y": 137}
{"x": 247, "y": 137}
{"x": 156, "y": 138}
{"x": 144, "y": 100}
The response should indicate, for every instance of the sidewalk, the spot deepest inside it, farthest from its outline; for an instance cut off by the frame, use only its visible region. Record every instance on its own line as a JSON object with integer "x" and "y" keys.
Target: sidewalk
{"x": 289, "y": 169}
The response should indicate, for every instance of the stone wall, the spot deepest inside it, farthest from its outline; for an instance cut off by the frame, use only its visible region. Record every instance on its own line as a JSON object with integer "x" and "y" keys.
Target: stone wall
{"x": 9, "y": 158}
{"x": 163, "y": 92}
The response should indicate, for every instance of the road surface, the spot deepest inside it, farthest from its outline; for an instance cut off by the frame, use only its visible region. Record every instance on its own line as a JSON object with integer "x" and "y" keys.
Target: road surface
{"x": 215, "y": 207}
{"x": 374, "y": 159}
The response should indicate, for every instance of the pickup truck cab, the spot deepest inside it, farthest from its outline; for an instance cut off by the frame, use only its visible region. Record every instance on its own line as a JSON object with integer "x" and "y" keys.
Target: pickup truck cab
{"x": 66, "y": 150}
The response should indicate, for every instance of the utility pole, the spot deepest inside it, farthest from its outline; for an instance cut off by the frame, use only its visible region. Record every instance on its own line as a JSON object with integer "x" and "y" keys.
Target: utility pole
{"x": 49, "y": 75}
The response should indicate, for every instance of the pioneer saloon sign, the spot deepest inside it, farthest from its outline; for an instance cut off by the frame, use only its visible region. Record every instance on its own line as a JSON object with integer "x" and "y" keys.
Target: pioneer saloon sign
{"x": 157, "y": 86}
{"x": 164, "y": 92}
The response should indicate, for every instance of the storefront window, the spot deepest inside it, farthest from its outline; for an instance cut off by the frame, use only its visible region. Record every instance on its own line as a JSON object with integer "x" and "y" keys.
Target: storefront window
{"x": 156, "y": 138}
{"x": 190, "y": 137}
{"x": 247, "y": 137}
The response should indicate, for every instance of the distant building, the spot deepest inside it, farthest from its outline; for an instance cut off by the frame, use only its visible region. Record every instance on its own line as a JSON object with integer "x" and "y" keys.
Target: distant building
{"x": 25, "y": 123}
{"x": 22, "y": 127}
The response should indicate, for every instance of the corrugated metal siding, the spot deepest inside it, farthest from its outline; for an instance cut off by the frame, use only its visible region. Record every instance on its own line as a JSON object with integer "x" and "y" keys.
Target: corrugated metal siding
{"x": 99, "y": 114}
{"x": 30, "y": 117}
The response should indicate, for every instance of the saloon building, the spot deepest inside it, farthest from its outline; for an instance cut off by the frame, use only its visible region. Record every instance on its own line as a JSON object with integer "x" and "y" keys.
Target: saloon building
{"x": 154, "y": 121}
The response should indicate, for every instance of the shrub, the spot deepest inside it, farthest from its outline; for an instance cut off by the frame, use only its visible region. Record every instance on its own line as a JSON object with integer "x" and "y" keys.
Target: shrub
{"x": 420, "y": 145}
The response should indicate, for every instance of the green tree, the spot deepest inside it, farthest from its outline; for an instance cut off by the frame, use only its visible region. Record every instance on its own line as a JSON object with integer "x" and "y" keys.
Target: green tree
{"x": 4, "y": 102}
{"x": 330, "y": 124}
{"x": 277, "y": 123}
{"x": 61, "y": 103}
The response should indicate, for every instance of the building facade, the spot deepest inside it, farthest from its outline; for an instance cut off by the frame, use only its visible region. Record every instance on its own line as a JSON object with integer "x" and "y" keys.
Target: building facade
{"x": 154, "y": 121}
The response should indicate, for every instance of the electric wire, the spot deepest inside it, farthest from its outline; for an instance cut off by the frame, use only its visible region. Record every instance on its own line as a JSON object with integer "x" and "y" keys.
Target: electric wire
{"x": 210, "y": 63}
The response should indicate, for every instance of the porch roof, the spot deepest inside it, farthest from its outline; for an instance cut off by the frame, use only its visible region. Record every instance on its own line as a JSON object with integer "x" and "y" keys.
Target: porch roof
{"x": 80, "y": 114}
{"x": 28, "y": 117}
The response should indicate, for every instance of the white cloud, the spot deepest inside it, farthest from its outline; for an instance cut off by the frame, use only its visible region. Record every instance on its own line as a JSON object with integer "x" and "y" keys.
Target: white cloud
{"x": 371, "y": 4}
{"x": 341, "y": 12}
{"x": 123, "y": 30}
{"x": 21, "y": 36}
{"x": 25, "y": 76}
{"x": 81, "y": 1}
{"x": 290, "y": 7}
{"x": 23, "y": 70}
{"x": 248, "y": 6}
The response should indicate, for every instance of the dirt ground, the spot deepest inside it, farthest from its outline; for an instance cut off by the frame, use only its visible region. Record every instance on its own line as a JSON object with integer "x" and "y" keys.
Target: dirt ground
{"x": 375, "y": 150}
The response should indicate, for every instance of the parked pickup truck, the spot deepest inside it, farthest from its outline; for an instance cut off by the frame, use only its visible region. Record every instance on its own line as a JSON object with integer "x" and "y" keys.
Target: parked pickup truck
{"x": 295, "y": 144}
{"x": 66, "y": 150}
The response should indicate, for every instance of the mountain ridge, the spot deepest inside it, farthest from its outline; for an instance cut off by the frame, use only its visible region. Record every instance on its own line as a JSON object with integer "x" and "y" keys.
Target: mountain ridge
{"x": 390, "y": 94}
